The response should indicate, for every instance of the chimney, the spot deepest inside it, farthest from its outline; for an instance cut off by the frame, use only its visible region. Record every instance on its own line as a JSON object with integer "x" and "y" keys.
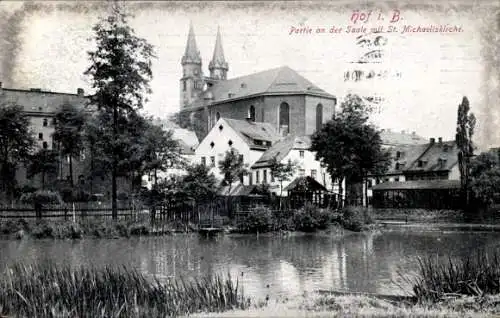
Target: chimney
{"x": 402, "y": 132}
{"x": 440, "y": 140}
{"x": 80, "y": 91}
{"x": 413, "y": 133}
{"x": 432, "y": 140}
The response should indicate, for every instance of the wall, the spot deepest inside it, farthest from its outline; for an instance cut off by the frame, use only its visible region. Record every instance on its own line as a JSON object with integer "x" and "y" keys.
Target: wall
{"x": 297, "y": 112}
{"x": 311, "y": 102}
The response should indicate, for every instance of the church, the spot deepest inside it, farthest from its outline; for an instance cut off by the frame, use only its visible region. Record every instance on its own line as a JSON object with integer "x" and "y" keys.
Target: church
{"x": 281, "y": 97}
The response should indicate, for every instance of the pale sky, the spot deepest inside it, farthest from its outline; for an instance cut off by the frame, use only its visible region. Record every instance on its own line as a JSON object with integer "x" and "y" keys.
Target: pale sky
{"x": 45, "y": 45}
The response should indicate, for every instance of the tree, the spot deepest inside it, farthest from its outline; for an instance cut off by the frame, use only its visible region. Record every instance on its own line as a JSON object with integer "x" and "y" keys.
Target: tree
{"x": 43, "y": 162}
{"x": 199, "y": 184}
{"x": 16, "y": 143}
{"x": 68, "y": 133}
{"x": 232, "y": 167}
{"x": 485, "y": 177}
{"x": 120, "y": 72}
{"x": 349, "y": 146}
{"x": 282, "y": 172}
{"x": 465, "y": 130}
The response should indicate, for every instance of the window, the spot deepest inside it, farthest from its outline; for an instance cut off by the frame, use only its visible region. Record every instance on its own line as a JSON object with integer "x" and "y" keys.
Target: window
{"x": 257, "y": 175}
{"x": 284, "y": 117}
{"x": 241, "y": 158}
{"x": 370, "y": 183}
{"x": 397, "y": 166}
{"x": 54, "y": 121}
{"x": 230, "y": 143}
{"x": 40, "y": 136}
{"x": 221, "y": 127}
{"x": 272, "y": 177}
{"x": 45, "y": 145}
{"x": 302, "y": 172}
{"x": 398, "y": 154}
{"x": 250, "y": 178}
{"x": 204, "y": 161}
{"x": 212, "y": 144}
{"x": 396, "y": 179}
{"x": 313, "y": 173}
{"x": 212, "y": 161}
{"x": 319, "y": 117}
{"x": 420, "y": 164}
{"x": 264, "y": 176}
{"x": 386, "y": 180}
{"x": 183, "y": 86}
{"x": 217, "y": 117}
{"x": 45, "y": 122}
{"x": 301, "y": 153}
{"x": 251, "y": 113}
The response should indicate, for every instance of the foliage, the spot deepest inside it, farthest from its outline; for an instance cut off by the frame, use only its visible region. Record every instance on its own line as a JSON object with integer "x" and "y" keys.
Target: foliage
{"x": 355, "y": 218}
{"x": 485, "y": 177}
{"x": 465, "y": 130}
{"x": 16, "y": 143}
{"x": 260, "y": 220}
{"x": 232, "y": 167}
{"x": 120, "y": 72}
{"x": 49, "y": 290}
{"x": 348, "y": 145}
{"x": 199, "y": 184}
{"x": 68, "y": 133}
{"x": 282, "y": 171}
{"x": 41, "y": 197}
{"x": 476, "y": 274}
{"x": 43, "y": 162}
{"x": 311, "y": 218}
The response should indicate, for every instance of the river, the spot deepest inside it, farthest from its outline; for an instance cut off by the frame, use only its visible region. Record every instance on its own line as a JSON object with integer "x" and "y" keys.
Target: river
{"x": 274, "y": 266}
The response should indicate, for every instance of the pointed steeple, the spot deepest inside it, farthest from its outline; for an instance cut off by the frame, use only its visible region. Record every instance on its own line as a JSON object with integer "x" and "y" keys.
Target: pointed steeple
{"x": 218, "y": 66}
{"x": 191, "y": 55}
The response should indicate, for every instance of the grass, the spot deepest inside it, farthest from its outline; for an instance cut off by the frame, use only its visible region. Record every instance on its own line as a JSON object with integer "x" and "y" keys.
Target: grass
{"x": 49, "y": 290}
{"x": 476, "y": 275}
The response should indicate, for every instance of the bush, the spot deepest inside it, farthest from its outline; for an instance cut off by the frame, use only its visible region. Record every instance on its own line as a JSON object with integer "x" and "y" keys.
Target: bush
{"x": 311, "y": 218}
{"x": 260, "y": 220}
{"x": 355, "y": 218}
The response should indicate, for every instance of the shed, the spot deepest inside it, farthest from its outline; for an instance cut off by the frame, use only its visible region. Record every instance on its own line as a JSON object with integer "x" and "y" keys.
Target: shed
{"x": 306, "y": 189}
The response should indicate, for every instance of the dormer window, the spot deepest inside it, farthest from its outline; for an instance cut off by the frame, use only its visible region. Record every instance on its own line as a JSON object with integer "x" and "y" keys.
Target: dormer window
{"x": 45, "y": 122}
{"x": 420, "y": 163}
{"x": 230, "y": 95}
{"x": 445, "y": 148}
{"x": 397, "y": 166}
{"x": 243, "y": 85}
{"x": 212, "y": 144}
{"x": 398, "y": 154}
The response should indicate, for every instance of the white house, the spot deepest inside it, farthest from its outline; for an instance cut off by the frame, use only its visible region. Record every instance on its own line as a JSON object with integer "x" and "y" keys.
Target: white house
{"x": 295, "y": 149}
{"x": 250, "y": 139}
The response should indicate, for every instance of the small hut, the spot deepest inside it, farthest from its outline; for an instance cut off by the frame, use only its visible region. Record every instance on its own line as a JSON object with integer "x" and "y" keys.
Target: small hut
{"x": 306, "y": 189}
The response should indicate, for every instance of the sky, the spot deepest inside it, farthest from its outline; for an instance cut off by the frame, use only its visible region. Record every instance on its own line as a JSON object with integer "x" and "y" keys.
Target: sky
{"x": 44, "y": 45}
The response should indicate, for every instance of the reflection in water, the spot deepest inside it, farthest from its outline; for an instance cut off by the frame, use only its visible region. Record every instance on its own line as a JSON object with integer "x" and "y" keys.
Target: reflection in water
{"x": 275, "y": 266}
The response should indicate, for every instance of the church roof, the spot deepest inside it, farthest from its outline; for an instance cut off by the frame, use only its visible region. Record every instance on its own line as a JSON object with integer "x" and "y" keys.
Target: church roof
{"x": 191, "y": 55}
{"x": 252, "y": 131}
{"x": 395, "y": 138}
{"x": 438, "y": 156}
{"x": 281, "y": 80}
{"x": 281, "y": 149}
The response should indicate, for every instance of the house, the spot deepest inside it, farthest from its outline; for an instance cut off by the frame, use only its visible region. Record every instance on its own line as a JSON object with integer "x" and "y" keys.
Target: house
{"x": 297, "y": 150}
{"x": 280, "y": 97}
{"x": 250, "y": 139}
{"x": 40, "y": 106}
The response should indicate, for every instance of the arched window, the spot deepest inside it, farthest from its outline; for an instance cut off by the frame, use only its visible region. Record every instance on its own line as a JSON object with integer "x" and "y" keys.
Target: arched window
{"x": 319, "y": 117}
{"x": 251, "y": 113}
{"x": 284, "y": 116}
{"x": 217, "y": 116}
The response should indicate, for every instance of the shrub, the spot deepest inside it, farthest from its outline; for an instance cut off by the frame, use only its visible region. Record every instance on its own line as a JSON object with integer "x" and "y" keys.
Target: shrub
{"x": 355, "y": 218}
{"x": 311, "y": 218}
{"x": 260, "y": 220}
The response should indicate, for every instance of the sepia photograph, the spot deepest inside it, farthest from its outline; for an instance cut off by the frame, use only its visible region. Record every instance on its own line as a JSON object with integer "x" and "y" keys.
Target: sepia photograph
{"x": 250, "y": 158}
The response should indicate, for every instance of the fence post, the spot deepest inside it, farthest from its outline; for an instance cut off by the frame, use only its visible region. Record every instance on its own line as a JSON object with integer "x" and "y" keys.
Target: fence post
{"x": 74, "y": 212}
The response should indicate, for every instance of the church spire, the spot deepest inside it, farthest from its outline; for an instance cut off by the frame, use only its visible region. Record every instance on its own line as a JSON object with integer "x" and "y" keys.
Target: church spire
{"x": 218, "y": 66}
{"x": 191, "y": 55}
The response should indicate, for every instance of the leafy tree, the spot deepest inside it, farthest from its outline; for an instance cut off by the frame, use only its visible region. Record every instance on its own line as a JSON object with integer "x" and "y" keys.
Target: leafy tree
{"x": 349, "y": 146}
{"x": 232, "y": 167}
{"x": 43, "y": 162}
{"x": 485, "y": 177}
{"x": 68, "y": 133}
{"x": 16, "y": 143}
{"x": 199, "y": 184}
{"x": 282, "y": 172}
{"x": 465, "y": 130}
{"x": 120, "y": 72}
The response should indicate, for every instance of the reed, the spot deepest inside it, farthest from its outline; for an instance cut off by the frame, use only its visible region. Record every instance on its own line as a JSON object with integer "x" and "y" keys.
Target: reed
{"x": 477, "y": 274}
{"x": 50, "y": 290}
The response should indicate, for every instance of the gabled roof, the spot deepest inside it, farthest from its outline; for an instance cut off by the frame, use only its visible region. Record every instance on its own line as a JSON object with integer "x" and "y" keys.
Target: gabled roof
{"x": 252, "y": 131}
{"x": 305, "y": 184}
{"x": 281, "y": 149}
{"x": 408, "y": 155}
{"x": 239, "y": 190}
{"x": 418, "y": 184}
{"x": 393, "y": 138}
{"x": 281, "y": 80}
{"x": 432, "y": 156}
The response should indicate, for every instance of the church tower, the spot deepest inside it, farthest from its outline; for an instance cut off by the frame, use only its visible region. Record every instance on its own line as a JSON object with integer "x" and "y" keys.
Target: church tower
{"x": 218, "y": 66}
{"x": 191, "y": 84}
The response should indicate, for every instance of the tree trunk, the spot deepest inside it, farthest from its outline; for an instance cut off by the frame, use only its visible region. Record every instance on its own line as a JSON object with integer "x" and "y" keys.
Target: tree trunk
{"x": 71, "y": 171}
{"x": 281, "y": 192}
{"x": 341, "y": 201}
{"x": 43, "y": 180}
{"x": 114, "y": 207}
{"x": 91, "y": 171}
